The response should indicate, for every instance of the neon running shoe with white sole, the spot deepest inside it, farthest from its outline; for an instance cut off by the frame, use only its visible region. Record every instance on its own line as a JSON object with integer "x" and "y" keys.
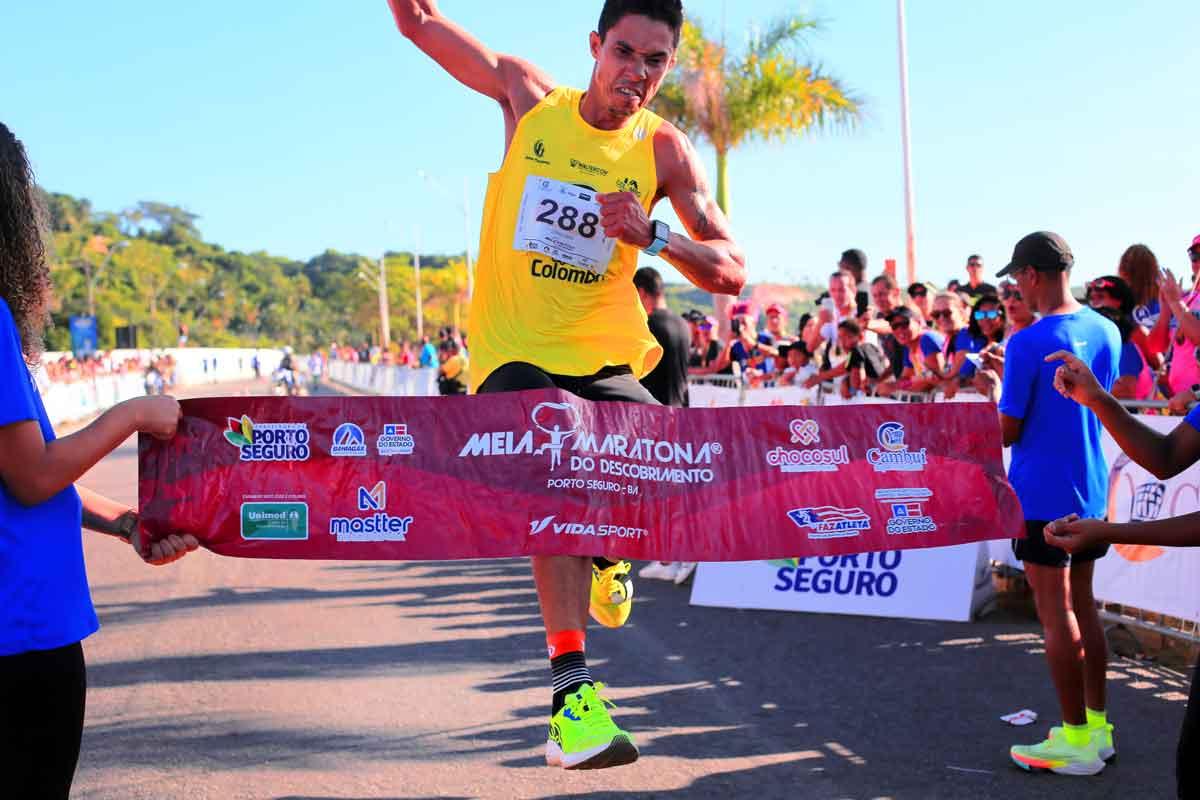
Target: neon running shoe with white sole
{"x": 683, "y": 571}
{"x": 1101, "y": 737}
{"x": 583, "y": 735}
{"x": 657, "y": 570}
{"x": 612, "y": 594}
{"x": 1058, "y": 756}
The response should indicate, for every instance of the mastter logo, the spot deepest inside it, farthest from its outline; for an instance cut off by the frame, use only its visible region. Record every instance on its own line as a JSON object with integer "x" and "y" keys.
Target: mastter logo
{"x": 373, "y": 523}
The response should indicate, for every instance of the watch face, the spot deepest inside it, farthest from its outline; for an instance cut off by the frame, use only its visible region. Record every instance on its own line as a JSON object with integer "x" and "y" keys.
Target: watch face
{"x": 662, "y": 231}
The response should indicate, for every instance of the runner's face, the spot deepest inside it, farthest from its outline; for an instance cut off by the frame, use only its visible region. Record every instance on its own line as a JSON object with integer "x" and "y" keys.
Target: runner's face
{"x": 631, "y": 63}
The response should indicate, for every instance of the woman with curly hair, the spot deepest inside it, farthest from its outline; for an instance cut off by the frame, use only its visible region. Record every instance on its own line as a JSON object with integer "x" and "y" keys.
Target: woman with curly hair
{"x": 45, "y": 605}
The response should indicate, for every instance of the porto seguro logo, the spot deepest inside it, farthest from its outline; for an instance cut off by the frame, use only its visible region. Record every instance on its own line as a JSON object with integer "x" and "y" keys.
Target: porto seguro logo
{"x": 893, "y": 454}
{"x": 268, "y": 441}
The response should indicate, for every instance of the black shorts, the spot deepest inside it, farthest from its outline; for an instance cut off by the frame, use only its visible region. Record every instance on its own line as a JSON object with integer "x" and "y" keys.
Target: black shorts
{"x": 42, "y": 698}
{"x": 1033, "y": 548}
{"x": 610, "y": 383}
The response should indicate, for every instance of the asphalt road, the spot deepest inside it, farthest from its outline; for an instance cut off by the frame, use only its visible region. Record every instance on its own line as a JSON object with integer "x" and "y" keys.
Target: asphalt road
{"x": 224, "y": 678}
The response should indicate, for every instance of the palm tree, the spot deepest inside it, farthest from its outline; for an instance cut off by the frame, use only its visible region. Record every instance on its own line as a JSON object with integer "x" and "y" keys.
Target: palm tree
{"x": 766, "y": 93}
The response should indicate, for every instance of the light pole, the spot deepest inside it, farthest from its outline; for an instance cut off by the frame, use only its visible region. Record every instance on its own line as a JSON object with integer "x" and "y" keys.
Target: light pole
{"x": 910, "y": 222}
{"x": 385, "y": 322}
{"x": 465, "y": 208}
{"x": 91, "y": 275}
{"x": 417, "y": 271}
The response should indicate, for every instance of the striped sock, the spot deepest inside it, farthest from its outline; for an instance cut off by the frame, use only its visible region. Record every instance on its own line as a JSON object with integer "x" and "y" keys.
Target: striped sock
{"x": 568, "y": 667}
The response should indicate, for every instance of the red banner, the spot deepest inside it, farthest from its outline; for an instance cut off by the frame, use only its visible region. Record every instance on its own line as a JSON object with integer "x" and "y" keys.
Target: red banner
{"x": 547, "y": 473}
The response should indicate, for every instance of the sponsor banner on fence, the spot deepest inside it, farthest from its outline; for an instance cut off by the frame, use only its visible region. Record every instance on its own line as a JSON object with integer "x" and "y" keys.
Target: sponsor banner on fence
{"x": 945, "y": 583}
{"x": 546, "y": 472}
{"x": 1159, "y": 579}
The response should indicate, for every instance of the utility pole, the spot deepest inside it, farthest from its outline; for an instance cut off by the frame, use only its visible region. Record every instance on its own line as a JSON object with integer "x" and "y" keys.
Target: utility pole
{"x": 385, "y": 323}
{"x": 909, "y": 212}
{"x": 417, "y": 271}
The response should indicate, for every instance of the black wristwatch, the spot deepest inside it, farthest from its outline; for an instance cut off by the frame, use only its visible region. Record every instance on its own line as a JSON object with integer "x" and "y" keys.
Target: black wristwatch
{"x": 125, "y": 525}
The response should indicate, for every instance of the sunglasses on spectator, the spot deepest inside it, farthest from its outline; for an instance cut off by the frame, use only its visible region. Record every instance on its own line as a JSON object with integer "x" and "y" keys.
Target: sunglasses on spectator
{"x": 899, "y": 326}
{"x": 992, "y": 314}
{"x": 1010, "y": 294}
{"x": 917, "y": 292}
{"x": 705, "y": 326}
{"x": 944, "y": 313}
{"x": 1102, "y": 284}
{"x": 1194, "y": 255}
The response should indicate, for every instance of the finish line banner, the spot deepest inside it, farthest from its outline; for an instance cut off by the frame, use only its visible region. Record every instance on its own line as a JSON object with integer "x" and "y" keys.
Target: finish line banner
{"x": 547, "y": 473}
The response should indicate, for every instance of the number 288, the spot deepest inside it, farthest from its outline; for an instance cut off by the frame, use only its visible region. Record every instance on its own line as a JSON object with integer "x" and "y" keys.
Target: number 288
{"x": 568, "y": 218}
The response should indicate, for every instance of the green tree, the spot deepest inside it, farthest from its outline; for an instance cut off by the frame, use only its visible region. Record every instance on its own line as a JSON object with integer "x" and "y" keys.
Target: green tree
{"x": 767, "y": 92}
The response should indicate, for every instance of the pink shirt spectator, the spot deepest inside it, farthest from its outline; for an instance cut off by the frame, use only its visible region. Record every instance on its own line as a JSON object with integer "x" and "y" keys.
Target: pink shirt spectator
{"x": 1185, "y": 372}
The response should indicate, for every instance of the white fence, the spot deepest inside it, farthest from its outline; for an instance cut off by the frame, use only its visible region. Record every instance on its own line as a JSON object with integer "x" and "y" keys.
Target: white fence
{"x": 385, "y": 379}
{"x": 77, "y": 400}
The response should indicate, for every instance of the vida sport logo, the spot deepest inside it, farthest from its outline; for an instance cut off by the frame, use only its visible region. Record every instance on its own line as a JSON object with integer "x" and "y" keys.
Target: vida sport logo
{"x": 374, "y": 524}
{"x": 268, "y": 441}
{"x": 558, "y": 428}
{"x": 893, "y": 454}
{"x": 550, "y": 525}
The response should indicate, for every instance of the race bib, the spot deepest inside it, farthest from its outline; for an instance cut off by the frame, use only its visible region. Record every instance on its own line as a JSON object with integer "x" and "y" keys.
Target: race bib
{"x": 563, "y": 222}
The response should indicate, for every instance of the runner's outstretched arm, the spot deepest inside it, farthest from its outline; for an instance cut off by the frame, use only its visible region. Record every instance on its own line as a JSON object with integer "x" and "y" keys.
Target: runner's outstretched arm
{"x": 509, "y": 81}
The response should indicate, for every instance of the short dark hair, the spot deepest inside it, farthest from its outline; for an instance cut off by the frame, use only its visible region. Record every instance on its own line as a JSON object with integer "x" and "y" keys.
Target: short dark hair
{"x": 668, "y": 12}
{"x": 649, "y": 281}
{"x": 857, "y": 260}
{"x": 886, "y": 280}
{"x": 851, "y": 327}
{"x": 974, "y": 257}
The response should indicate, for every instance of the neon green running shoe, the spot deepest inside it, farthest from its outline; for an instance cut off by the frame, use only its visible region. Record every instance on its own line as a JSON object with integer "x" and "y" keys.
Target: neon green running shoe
{"x": 612, "y": 594}
{"x": 1058, "y": 756}
{"x": 583, "y": 736}
{"x": 1101, "y": 737}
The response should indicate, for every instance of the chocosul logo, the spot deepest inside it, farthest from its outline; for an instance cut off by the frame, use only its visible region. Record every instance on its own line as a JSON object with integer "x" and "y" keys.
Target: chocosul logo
{"x": 807, "y": 459}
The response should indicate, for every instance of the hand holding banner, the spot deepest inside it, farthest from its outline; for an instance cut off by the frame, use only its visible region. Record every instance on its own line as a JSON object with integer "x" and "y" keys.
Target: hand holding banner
{"x": 547, "y": 473}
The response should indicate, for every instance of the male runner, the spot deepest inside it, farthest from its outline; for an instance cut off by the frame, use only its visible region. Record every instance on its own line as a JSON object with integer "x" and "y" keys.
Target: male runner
{"x": 554, "y": 302}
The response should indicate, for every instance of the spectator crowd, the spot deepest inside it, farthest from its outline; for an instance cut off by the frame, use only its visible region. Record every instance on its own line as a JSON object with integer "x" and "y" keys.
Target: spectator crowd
{"x": 875, "y": 337}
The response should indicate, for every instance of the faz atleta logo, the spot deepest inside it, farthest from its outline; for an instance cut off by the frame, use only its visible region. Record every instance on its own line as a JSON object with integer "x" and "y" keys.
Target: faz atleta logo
{"x": 550, "y": 525}
{"x": 558, "y": 429}
{"x": 537, "y": 153}
{"x": 373, "y": 524}
{"x": 893, "y": 454}
{"x": 906, "y": 507}
{"x": 807, "y": 432}
{"x": 268, "y": 441}
{"x": 830, "y": 522}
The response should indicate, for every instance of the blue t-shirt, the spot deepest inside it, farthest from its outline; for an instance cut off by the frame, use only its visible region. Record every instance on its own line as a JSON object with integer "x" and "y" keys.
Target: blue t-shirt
{"x": 1057, "y": 465}
{"x": 44, "y": 598}
{"x": 965, "y": 342}
{"x": 1131, "y": 361}
{"x": 930, "y": 343}
{"x": 1193, "y": 418}
{"x": 428, "y": 355}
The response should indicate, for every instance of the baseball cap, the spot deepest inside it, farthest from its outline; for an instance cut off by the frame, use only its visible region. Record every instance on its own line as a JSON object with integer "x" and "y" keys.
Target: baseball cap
{"x": 775, "y": 308}
{"x": 1195, "y": 244}
{"x": 1042, "y": 250}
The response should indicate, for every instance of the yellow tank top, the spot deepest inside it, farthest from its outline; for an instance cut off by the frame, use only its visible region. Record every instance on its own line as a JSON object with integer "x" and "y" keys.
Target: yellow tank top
{"x": 529, "y": 307}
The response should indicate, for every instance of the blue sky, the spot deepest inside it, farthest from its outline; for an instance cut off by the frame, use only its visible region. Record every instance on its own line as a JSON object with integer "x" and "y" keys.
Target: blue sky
{"x": 296, "y": 126}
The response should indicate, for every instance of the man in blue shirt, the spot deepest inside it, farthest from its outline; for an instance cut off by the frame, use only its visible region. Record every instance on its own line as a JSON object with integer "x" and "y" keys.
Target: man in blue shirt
{"x": 428, "y": 355}
{"x": 1058, "y": 469}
